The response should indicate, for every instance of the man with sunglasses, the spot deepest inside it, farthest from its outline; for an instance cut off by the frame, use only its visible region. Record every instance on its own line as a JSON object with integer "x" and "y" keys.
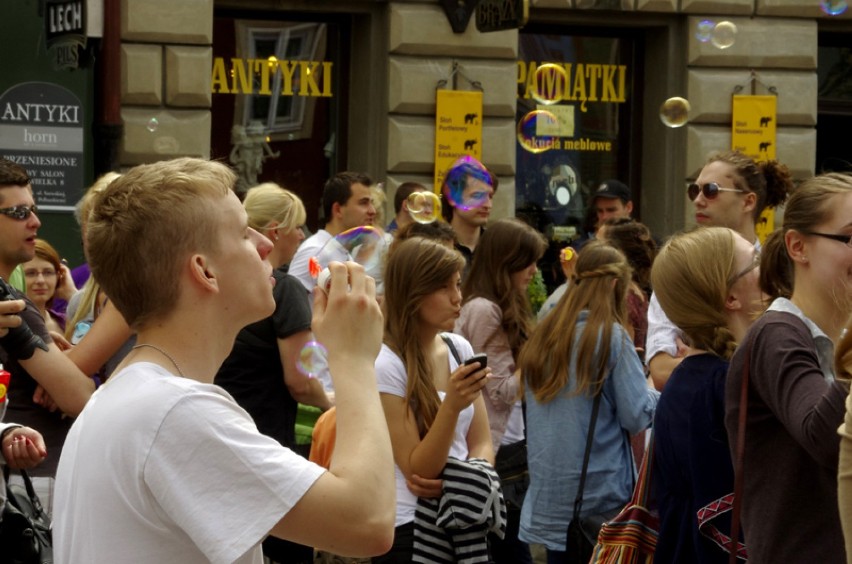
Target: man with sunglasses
{"x": 731, "y": 191}
{"x": 43, "y": 378}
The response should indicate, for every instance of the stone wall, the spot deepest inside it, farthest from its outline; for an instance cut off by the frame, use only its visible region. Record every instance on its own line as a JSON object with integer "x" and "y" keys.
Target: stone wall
{"x": 166, "y": 57}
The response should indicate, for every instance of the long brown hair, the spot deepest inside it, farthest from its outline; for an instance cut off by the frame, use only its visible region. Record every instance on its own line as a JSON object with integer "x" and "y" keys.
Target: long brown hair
{"x": 417, "y": 267}
{"x": 507, "y": 246}
{"x": 599, "y": 286}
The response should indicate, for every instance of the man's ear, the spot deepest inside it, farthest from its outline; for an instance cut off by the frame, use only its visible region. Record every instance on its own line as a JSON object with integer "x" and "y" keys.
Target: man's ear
{"x": 202, "y": 273}
{"x": 335, "y": 210}
{"x": 628, "y": 207}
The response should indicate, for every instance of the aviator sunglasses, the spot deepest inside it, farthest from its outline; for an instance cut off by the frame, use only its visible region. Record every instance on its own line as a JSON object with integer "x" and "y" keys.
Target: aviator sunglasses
{"x": 710, "y": 190}
{"x": 19, "y": 212}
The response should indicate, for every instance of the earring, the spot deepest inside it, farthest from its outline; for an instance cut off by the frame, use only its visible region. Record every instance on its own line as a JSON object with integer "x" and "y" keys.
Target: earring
{"x": 275, "y": 235}
{"x": 804, "y": 260}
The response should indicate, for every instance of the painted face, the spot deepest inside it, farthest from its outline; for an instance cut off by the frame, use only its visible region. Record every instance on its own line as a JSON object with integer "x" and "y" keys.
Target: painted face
{"x": 41, "y": 279}
{"x": 359, "y": 209}
{"x": 727, "y": 209}
{"x": 746, "y": 285}
{"x": 611, "y": 207}
{"x": 522, "y": 278}
{"x": 244, "y": 274}
{"x": 476, "y": 190}
{"x": 440, "y": 309}
{"x": 17, "y": 236}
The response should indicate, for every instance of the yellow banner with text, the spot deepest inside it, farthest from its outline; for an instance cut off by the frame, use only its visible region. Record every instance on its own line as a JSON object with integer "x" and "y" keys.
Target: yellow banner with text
{"x": 754, "y": 134}
{"x": 458, "y": 129}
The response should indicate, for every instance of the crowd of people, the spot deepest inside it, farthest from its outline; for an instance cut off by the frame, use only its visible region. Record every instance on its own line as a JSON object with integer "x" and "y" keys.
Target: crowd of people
{"x": 156, "y": 407}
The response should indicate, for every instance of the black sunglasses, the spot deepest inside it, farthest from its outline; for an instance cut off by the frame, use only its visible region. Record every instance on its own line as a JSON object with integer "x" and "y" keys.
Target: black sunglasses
{"x": 710, "y": 190}
{"x": 19, "y": 212}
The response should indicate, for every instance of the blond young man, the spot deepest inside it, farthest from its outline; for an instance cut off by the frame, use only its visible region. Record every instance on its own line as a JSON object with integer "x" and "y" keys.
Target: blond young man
{"x": 162, "y": 465}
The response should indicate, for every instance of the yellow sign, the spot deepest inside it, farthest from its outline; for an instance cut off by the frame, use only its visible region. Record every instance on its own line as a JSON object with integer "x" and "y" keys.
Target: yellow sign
{"x": 753, "y": 133}
{"x": 458, "y": 129}
{"x": 256, "y": 76}
{"x": 578, "y": 82}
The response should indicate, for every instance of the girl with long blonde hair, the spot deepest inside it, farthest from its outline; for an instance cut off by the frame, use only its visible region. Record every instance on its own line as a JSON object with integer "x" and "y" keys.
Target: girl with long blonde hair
{"x": 579, "y": 351}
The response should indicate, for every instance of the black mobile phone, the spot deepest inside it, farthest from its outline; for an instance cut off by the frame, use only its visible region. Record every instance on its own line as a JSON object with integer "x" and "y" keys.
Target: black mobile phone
{"x": 480, "y": 359}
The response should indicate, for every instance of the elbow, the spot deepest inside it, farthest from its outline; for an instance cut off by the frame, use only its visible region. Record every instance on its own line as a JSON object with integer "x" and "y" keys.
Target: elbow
{"x": 375, "y": 535}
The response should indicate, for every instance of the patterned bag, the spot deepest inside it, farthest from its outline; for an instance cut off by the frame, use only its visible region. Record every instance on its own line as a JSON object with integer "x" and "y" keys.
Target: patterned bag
{"x": 631, "y": 537}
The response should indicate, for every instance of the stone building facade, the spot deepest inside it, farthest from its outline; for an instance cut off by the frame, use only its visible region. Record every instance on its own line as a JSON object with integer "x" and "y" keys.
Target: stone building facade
{"x": 402, "y": 49}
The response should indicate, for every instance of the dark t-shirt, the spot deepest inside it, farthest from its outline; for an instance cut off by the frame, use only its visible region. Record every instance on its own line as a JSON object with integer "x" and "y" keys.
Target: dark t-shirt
{"x": 792, "y": 447}
{"x": 692, "y": 462}
{"x": 21, "y": 409}
{"x": 253, "y": 373}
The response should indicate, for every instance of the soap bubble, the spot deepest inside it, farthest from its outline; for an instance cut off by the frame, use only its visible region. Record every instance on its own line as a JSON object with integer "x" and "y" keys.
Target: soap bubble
{"x": 537, "y": 131}
{"x": 675, "y": 112}
{"x": 724, "y": 35}
{"x": 364, "y": 245}
{"x": 152, "y": 124}
{"x": 424, "y": 207}
{"x": 467, "y": 184}
{"x": 833, "y": 7}
{"x": 704, "y": 30}
{"x": 312, "y": 359}
{"x": 551, "y": 83}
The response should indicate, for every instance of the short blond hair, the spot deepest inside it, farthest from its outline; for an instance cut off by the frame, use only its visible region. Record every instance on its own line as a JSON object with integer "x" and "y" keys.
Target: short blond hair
{"x": 268, "y": 202}
{"x": 144, "y": 225}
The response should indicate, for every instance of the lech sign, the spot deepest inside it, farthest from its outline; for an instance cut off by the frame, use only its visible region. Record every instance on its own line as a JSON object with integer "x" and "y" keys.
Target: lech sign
{"x": 499, "y": 15}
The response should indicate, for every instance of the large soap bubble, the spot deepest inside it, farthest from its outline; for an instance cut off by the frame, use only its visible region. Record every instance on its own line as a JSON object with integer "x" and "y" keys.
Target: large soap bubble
{"x": 675, "y": 112}
{"x": 468, "y": 184}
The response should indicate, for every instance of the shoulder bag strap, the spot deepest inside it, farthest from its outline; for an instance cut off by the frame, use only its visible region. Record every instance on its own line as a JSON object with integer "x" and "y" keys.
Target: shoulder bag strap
{"x": 739, "y": 463}
{"x": 578, "y": 501}
{"x": 452, "y": 348}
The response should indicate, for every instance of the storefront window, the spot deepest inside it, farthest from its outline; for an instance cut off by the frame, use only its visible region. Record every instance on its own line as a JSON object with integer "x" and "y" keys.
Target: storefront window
{"x": 574, "y": 101}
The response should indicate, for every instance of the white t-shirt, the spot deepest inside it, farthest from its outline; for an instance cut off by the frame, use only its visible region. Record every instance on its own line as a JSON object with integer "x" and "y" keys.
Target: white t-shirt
{"x": 299, "y": 266}
{"x": 392, "y": 379}
{"x": 159, "y": 468}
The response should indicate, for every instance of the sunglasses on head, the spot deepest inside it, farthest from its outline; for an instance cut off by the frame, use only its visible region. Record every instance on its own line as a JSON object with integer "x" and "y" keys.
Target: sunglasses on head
{"x": 710, "y": 190}
{"x": 19, "y": 212}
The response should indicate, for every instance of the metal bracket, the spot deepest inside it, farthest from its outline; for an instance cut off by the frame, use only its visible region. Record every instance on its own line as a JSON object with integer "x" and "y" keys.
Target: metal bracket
{"x": 457, "y": 72}
{"x": 459, "y": 12}
{"x": 752, "y": 81}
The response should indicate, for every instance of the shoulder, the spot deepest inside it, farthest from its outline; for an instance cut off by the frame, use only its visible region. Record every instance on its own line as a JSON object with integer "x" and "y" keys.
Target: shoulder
{"x": 462, "y": 345}
{"x": 391, "y": 375}
{"x": 481, "y": 310}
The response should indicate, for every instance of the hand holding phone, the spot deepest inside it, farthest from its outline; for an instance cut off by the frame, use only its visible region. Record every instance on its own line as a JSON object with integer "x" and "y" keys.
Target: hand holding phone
{"x": 481, "y": 359}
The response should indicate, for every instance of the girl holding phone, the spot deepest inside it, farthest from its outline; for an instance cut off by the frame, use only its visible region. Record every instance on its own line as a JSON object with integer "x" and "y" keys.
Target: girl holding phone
{"x": 432, "y": 402}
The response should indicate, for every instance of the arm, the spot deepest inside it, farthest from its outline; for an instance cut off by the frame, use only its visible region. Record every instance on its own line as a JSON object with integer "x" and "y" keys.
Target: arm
{"x": 786, "y": 374}
{"x": 426, "y": 457}
{"x": 360, "y": 487}
{"x": 60, "y": 378}
{"x": 661, "y": 350}
{"x": 104, "y": 339}
{"x": 635, "y": 402}
{"x": 844, "y": 477}
{"x": 479, "y": 435}
{"x": 308, "y": 391}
